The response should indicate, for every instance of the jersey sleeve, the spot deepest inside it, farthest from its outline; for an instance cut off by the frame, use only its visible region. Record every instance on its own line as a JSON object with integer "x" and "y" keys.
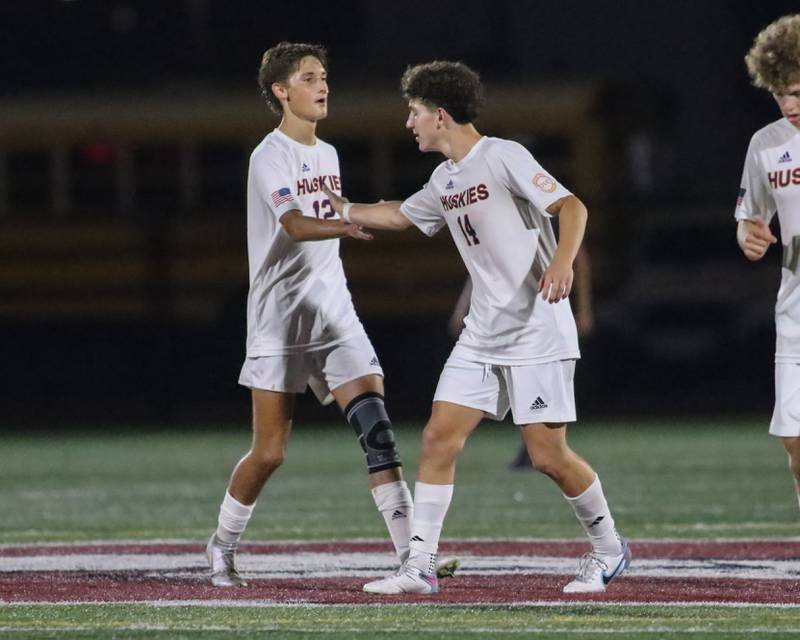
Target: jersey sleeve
{"x": 275, "y": 186}
{"x": 755, "y": 199}
{"x": 424, "y": 211}
{"x": 516, "y": 169}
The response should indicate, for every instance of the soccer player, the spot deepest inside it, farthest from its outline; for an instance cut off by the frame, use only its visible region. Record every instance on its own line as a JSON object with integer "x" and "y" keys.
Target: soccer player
{"x": 519, "y": 344}
{"x": 770, "y": 183}
{"x": 302, "y": 329}
{"x": 584, "y": 321}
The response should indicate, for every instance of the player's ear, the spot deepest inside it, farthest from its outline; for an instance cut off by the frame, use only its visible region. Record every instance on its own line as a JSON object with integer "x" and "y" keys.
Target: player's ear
{"x": 440, "y": 117}
{"x": 280, "y": 91}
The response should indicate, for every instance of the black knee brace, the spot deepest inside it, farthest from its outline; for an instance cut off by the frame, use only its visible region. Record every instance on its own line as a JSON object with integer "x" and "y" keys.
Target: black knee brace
{"x": 369, "y": 419}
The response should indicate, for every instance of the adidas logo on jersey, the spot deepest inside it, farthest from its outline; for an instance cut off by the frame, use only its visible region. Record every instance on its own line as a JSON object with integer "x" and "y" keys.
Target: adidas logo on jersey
{"x": 449, "y": 185}
{"x": 374, "y": 362}
{"x": 538, "y": 404}
{"x": 785, "y": 157}
{"x": 306, "y": 167}
{"x": 398, "y": 514}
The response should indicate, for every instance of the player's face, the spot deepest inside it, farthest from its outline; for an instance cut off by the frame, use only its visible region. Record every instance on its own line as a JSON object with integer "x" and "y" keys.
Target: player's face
{"x": 424, "y": 124}
{"x": 789, "y": 103}
{"x": 307, "y": 90}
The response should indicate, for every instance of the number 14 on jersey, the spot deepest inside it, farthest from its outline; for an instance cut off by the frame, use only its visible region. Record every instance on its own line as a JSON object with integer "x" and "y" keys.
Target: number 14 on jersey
{"x": 468, "y": 230}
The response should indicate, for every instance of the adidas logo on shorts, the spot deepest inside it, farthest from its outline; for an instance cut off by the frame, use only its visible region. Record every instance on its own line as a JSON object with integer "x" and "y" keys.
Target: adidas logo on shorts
{"x": 538, "y": 404}
{"x": 374, "y": 362}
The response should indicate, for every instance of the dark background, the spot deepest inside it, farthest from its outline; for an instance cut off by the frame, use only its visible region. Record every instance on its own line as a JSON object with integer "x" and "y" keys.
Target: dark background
{"x": 672, "y": 94}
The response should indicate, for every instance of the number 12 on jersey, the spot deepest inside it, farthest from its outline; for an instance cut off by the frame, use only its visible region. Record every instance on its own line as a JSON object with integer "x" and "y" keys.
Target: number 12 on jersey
{"x": 319, "y": 208}
{"x": 468, "y": 230}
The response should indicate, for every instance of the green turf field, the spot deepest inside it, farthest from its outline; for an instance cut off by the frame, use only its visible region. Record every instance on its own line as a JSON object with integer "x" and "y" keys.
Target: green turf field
{"x": 665, "y": 480}
{"x": 662, "y": 480}
{"x": 420, "y": 622}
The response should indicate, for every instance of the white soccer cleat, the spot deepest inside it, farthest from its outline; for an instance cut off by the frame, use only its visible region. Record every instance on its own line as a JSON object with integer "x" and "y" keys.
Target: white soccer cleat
{"x": 406, "y": 580}
{"x": 447, "y": 568}
{"x": 595, "y": 572}
{"x": 222, "y": 560}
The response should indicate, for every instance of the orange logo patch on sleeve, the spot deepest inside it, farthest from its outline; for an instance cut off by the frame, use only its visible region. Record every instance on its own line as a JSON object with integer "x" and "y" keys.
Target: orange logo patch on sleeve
{"x": 543, "y": 182}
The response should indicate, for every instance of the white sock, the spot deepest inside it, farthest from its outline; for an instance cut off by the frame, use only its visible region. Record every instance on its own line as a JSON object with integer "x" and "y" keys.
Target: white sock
{"x": 393, "y": 500}
{"x": 431, "y": 502}
{"x": 233, "y": 518}
{"x": 592, "y": 512}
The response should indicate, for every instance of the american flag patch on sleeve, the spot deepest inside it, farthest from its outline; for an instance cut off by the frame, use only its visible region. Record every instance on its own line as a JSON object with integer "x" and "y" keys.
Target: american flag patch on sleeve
{"x": 281, "y": 195}
{"x": 740, "y": 199}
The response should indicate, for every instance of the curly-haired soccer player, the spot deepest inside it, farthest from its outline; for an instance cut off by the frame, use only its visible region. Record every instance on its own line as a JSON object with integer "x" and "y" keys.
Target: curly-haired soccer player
{"x": 770, "y": 183}
{"x": 519, "y": 344}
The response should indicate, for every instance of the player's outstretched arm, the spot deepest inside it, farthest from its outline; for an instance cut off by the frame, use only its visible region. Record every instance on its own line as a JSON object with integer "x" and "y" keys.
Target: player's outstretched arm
{"x": 304, "y": 229}
{"x": 754, "y": 237}
{"x": 556, "y": 282}
{"x": 381, "y": 215}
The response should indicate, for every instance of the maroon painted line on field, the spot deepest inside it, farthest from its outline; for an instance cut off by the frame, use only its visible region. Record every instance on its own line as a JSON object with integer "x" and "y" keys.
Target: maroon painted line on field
{"x": 127, "y": 587}
{"x": 685, "y": 550}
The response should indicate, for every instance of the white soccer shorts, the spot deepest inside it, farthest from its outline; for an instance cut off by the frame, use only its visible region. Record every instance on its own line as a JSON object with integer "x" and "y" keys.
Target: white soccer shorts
{"x": 786, "y": 416}
{"x": 322, "y": 369}
{"x": 535, "y": 393}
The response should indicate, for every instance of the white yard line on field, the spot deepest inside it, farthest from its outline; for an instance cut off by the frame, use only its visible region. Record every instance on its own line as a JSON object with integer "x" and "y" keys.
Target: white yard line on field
{"x": 155, "y": 542}
{"x": 343, "y": 565}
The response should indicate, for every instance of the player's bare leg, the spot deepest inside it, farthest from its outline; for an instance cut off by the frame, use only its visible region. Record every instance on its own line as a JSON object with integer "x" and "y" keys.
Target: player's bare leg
{"x": 272, "y": 425}
{"x": 792, "y": 447}
{"x": 442, "y": 441}
{"x": 552, "y": 456}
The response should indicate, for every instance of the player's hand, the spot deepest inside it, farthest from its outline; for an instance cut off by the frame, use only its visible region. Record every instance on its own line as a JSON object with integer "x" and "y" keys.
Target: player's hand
{"x": 337, "y": 201}
{"x": 758, "y": 238}
{"x": 357, "y": 232}
{"x": 556, "y": 282}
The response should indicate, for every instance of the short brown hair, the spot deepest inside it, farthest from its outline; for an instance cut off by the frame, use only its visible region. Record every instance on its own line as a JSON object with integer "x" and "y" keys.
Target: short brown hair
{"x": 453, "y": 86}
{"x": 280, "y": 62}
{"x": 774, "y": 60}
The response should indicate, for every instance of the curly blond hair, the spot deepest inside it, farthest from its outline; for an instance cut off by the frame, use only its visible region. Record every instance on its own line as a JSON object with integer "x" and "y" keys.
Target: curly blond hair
{"x": 774, "y": 60}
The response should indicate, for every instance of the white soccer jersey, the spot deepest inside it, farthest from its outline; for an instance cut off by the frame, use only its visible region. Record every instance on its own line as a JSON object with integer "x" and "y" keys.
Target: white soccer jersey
{"x": 770, "y": 183}
{"x": 494, "y": 202}
{"x": 298, "y": 299}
